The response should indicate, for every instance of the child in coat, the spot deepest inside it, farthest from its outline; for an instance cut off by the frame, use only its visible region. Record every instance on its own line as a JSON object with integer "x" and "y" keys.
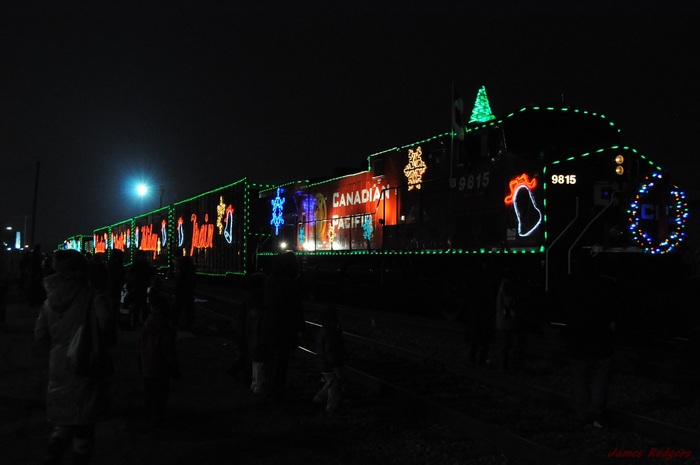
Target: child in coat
{"x": 331, "y": 357}
{"x": 158, "y": 356}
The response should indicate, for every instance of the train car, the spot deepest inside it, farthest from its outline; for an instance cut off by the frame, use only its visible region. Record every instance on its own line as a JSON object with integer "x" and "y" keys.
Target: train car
{"x": 215, "y": 230}
{"x": 533, "y": 189}
{"x": 101, "y": 240}
{"x": 121, "y": 237}
{"x": 80, "y": 242}
{"x": 117, "y": 236}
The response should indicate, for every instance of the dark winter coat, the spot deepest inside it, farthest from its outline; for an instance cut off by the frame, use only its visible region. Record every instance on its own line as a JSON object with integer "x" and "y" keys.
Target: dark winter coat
{"x": 507, "y": 305}
{"x": 283, "y": 314}
{"x": 72, "y": 399}
{"x": 157, "y": 348}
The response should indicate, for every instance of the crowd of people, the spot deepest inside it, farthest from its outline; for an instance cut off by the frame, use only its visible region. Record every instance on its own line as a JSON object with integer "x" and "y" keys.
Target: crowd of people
{"x": 79, "y": 294}
{"x": 589, "y": 328}
{"x": 83, "y": 300}
{"x": 72, "y": 285}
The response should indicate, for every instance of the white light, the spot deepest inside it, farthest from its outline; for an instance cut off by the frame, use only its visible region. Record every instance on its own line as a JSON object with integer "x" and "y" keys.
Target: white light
{"x": 283, "y": 245}
{"x": 142, "y": 189}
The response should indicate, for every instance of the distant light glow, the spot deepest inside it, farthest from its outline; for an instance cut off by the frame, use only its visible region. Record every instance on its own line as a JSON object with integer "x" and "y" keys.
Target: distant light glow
{"x": 142, "y": 189}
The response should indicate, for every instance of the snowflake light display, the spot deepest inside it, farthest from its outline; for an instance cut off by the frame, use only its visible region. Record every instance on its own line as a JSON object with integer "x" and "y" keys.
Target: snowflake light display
{"x": 220, "y": 213}
{"x": 277, "y": 210}
{"x": 415, "y": 168}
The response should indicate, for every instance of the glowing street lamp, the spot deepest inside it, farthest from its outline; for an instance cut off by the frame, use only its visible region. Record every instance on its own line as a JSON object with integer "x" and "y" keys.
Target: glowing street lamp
{"x": 142, "y": 190}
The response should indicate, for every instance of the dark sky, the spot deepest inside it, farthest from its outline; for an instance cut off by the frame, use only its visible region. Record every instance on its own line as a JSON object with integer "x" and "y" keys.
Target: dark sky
{"x": 192, "y": 97}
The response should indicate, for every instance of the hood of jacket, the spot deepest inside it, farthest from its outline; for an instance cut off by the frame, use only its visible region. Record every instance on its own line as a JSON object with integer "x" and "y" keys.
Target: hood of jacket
{"x": 63, "y": 288}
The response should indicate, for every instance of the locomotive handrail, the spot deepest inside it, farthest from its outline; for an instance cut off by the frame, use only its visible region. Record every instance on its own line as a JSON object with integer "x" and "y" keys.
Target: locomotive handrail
{"x": 595, "y": 218}
{"x": 546, "y": 254}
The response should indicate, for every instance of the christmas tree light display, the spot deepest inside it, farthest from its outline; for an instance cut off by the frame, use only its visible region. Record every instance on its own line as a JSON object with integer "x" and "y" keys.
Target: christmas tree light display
{"x": 482, "y": 110}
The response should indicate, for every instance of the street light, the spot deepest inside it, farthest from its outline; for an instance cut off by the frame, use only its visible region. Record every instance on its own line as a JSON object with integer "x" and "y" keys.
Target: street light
{"x": 142, "y": 190}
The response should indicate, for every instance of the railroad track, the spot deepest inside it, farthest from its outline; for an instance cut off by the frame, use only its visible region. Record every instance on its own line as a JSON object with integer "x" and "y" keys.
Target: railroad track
{"x": 451, "y": 387}
{"x": 516, "y": 417}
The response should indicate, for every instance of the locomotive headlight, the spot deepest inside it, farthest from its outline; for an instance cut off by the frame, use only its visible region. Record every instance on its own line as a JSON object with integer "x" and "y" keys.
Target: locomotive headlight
{"x": 283, "y": 245}
{"x": 619, "y": 169}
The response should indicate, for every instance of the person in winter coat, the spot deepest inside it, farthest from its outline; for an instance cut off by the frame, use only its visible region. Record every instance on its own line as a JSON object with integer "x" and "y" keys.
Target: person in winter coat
{"x": 283, "y": 320}
{"x": 590, "y": 326}
{"x": 74, "y": 403}
{"x": 256, "y": 351}
{"x": 138, "y": 278}
{"x": 509, "y": 321}
{"x": 479, "y": 324}
{"x": 185, "y": 283}
{"x": 116, "y": 277}
{"x": 331, "y": 357}
{"x": 158, "y": 356}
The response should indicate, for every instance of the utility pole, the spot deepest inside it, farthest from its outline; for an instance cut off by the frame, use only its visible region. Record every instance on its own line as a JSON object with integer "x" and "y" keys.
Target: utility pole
{"x": 36, "y": 192}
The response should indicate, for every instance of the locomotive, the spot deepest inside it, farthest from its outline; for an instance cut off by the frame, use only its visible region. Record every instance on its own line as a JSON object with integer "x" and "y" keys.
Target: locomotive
{"x": 532, "y": 190}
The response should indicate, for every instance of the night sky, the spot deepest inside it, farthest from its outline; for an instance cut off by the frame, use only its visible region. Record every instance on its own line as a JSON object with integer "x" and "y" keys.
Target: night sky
{"x": 191, "y": 98}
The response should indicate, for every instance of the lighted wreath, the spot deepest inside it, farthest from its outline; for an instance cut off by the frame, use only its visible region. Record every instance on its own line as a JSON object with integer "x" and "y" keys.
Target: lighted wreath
{"x": 659, "y": 241}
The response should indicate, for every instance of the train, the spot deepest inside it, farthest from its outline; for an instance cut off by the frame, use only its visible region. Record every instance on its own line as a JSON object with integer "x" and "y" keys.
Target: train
{"x": 534, "y": 189}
